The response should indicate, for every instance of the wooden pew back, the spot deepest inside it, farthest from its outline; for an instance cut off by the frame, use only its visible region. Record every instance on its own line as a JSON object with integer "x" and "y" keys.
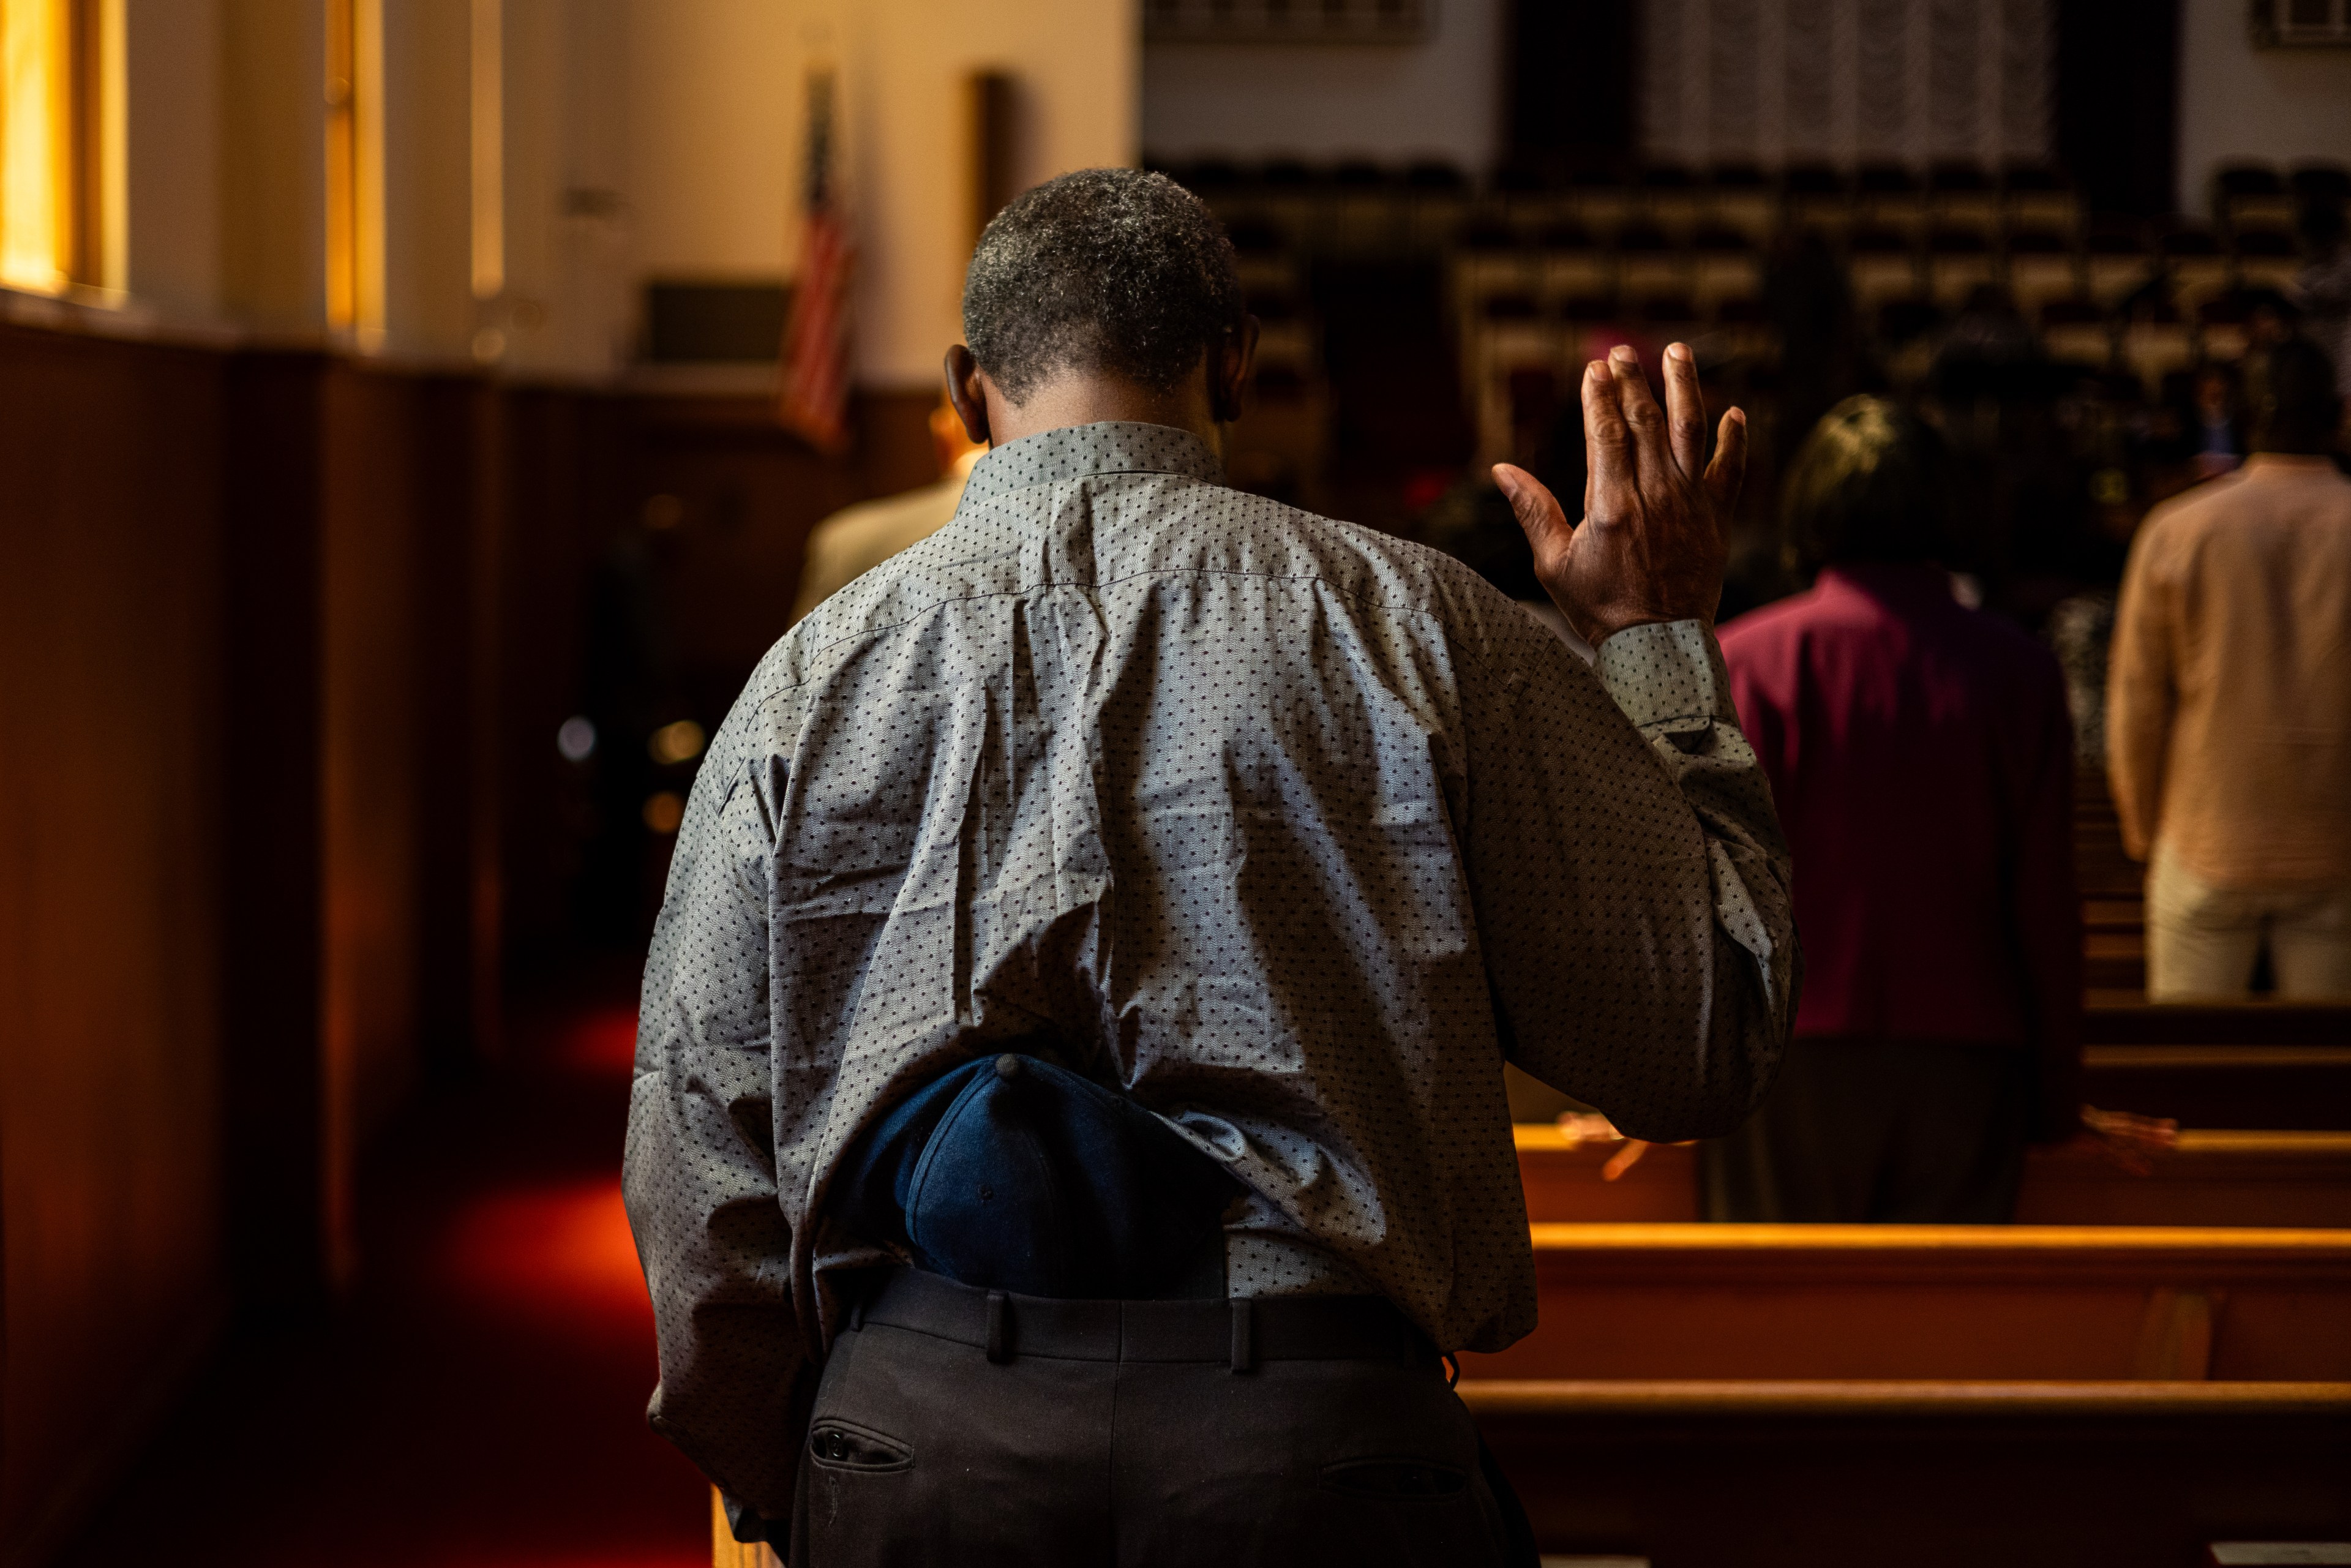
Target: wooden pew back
{"x": 2005, "y": 1303}
{"x": 2213, "y": 1178}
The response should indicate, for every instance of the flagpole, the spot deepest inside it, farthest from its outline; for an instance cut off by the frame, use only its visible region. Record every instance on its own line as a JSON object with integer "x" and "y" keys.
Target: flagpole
{"x": 812, "y": 393}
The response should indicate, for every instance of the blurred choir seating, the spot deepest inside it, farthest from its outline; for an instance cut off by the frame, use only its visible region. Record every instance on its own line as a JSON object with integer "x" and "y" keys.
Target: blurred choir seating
{"x": 1538, "y": 262}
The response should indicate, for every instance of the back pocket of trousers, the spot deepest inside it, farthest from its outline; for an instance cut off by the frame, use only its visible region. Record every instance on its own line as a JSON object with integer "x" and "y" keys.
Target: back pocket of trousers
{"x": 837, "y": 1445}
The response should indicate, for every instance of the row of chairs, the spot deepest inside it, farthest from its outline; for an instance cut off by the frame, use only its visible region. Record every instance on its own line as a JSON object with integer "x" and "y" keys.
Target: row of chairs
{"x": 2191, "y": 266}
{"x": 2262, "y": 191}
{"x": 2264, "y": 194}
{"x": 1359, "y": 207}
{"x": 1517, "y": 342}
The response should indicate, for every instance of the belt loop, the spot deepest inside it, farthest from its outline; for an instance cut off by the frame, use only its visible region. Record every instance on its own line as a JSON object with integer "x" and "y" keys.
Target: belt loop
{"x": 999, "y": 1326}
{"x": 1244, "y": 1333}
{"x": 857, "y": 1314}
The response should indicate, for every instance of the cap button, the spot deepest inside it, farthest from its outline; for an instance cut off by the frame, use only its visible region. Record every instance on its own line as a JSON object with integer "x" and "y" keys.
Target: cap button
{"x": 1006, "y": 1065}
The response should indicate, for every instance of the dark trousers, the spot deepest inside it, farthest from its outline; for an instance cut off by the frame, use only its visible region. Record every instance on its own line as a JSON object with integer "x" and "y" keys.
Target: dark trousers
{"x": 953, "y": 1427}
{"x": 1906, "y": 1132}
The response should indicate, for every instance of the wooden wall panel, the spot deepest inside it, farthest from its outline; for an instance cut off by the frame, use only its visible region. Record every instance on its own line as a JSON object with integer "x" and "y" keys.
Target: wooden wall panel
{"x": 273, "y": 888}
{"x": 560, "y": 461}
{"x": 453, "y": 551}
{"x": 368, "y": 774}
{"x": 109, "y": 890}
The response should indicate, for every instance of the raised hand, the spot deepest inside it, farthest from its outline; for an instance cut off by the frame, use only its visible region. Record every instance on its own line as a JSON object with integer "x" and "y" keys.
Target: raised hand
{"x": 1650, "y": 547}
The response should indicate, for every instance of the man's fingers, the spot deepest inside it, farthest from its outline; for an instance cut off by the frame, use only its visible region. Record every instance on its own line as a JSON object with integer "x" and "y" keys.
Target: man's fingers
{"x": 1685, "y": 410}
{"x": 1624, "y": 1159}
{"x": 1537, "y": 510}
{"x": 1728, "y": 469}
{"x": 1642, "y": 415}
{"x": 1607, "y": 445}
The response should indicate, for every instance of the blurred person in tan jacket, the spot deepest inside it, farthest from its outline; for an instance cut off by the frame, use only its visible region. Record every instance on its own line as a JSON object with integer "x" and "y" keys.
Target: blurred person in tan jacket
{"x": 2229, "y": 706}
{"x": 855, "y": 540}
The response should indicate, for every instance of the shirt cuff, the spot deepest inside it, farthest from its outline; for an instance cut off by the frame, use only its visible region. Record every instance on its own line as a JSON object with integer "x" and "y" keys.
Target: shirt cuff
{"x": 1667, "y": 676}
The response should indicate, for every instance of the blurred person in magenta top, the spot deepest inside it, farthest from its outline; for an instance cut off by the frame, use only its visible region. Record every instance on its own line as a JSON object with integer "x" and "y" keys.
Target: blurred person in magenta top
{"x": 1922, "y": 760}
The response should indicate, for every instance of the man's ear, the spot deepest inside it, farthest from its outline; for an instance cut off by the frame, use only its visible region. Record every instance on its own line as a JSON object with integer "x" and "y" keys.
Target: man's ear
{"x": 1228, "y": 372}
{"x": 967, "y": 393}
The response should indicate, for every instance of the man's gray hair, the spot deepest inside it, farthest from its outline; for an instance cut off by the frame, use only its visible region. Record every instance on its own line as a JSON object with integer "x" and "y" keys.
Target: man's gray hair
{"x": 1102, "y": 270}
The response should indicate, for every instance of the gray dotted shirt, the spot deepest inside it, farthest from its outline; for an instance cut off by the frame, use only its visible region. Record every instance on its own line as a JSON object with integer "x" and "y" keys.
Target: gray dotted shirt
{"x": 1298, "y": 829}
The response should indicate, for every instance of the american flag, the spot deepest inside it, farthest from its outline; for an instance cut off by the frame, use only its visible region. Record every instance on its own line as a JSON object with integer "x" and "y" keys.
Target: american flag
{"x": 815, "y": 392}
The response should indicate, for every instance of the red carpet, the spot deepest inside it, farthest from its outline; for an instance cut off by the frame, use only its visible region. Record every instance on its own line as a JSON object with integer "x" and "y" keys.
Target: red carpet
{"x": 479, "y": 1400}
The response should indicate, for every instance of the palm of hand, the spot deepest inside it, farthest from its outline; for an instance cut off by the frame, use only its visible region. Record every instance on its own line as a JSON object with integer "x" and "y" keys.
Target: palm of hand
{"x": 1650, "y": 547}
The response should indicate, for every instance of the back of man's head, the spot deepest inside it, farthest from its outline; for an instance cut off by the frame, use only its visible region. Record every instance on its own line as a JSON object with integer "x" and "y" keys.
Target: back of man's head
{"x": 1104, "y": 271}
{"x": 2291, "y": 401}
{"x": 1871, "y": 483}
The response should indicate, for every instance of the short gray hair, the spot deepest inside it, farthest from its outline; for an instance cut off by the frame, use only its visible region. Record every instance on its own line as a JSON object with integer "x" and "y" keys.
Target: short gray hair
{"x": 1102, "y": 270}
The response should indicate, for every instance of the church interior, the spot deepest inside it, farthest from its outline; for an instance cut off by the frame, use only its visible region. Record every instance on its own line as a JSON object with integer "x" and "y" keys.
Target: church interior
{"x": 399, "y": 481}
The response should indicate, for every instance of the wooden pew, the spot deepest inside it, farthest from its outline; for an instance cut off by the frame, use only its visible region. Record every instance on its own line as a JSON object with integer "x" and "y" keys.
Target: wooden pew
{"x": 1937, "y": 1474}
{"x": 2141, "y": 1022}
{"x": 2252, "y": 1065}
{"x": 2285, "y": 1087}
{"x": 2113, "y": 892}
{"x": 1650, "y": 1302}
{"x": 2232, "y": 1177}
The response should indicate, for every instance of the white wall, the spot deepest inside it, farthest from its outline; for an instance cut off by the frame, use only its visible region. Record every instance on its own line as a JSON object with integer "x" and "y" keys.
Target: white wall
{"x": 428, "y": 306}
{"x": 171, "y": 69}
{"x": 2240, "y": 102}
{"x": 709, "y": 122}
{"x": 905, "y": 64}
{"x": 567, "y": 310}
{"x": 273, "y": 152}
{"x": 1444, "y": 98}
{"x": 716, "y": 111}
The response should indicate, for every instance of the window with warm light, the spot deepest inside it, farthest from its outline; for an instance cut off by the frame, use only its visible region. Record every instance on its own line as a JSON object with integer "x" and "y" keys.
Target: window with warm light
{"x": 60, "y": 186}
{"x": 35, "y": 144}
{"x": 354, "y": 90}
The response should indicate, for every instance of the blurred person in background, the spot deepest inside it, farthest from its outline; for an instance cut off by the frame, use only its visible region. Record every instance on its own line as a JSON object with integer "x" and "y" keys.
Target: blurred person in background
{"x": 2210, "y": 432}
{"x": 2229, "y": 704}
{"x": 1922, "y": 759}
{"x": 855, "y": 540}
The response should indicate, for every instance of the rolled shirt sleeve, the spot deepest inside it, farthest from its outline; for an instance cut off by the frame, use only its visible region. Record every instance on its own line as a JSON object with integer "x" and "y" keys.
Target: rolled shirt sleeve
{"x": 1633, "y": 879}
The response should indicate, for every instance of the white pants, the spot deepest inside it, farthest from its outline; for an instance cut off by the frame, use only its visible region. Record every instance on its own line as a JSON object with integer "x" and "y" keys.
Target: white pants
{"x": 2202, "y": 940}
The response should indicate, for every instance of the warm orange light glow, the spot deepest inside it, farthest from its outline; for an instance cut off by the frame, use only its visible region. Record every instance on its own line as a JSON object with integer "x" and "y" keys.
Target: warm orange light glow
{"x": 354, "y": 90}
{"x": 36, "y": 186}
{"x": 562, "y": 1252}
{"x": 603, "y": 1042}
{"x": 342, "y": 247}
{"x": 676, "y": 743}
{"x": 664, "y": 811}
{"x": 488, "y": 139}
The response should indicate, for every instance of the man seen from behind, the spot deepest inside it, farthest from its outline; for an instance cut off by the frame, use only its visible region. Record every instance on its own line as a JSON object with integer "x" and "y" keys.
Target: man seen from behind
{"x": 1190, "y": 842}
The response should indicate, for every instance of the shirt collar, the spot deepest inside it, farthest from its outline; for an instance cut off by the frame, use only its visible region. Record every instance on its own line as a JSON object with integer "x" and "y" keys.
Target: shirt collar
{"x": 1078, "y": 451}
{"x": 2284, "y": 462}
{"x": 1898, "y": 582}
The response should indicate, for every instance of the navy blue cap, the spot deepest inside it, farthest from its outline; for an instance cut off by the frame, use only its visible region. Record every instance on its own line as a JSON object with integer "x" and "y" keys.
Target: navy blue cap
{"x": 1012, "y": 1173}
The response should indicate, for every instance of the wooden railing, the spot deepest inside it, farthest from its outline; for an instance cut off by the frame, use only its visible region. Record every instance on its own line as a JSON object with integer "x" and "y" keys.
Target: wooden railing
{"x": 2212, "y": 1179}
